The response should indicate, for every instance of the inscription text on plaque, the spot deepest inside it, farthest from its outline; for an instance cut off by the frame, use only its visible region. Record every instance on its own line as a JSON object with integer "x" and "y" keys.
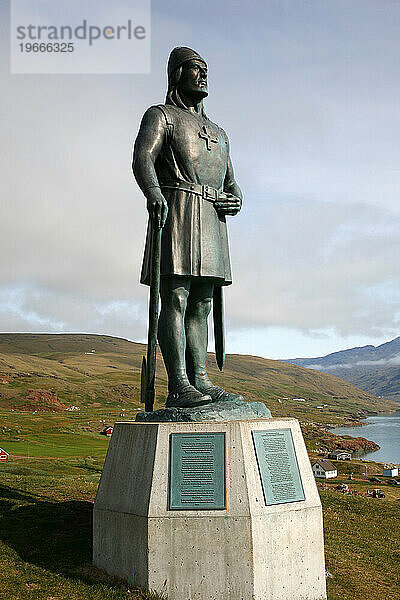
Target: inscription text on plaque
{"x": 197, "y": 471}
{"x": 277, "y": 464}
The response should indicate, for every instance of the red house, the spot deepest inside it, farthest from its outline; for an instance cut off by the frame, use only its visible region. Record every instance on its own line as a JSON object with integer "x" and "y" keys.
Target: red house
{"x": 3, "y": 455}
{"x": 107, "y": 431}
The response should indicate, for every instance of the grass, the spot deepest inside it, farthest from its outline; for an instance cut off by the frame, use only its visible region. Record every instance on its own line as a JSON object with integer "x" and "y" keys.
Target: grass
{"x": 46, "y": 533}
{"x": 58, "y": 445}
{"x": 362, "y": 547}
{"x": 45, "y": 536}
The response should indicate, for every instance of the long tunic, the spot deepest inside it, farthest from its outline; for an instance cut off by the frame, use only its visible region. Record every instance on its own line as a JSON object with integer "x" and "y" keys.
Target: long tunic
{"x": 194, "y": 239}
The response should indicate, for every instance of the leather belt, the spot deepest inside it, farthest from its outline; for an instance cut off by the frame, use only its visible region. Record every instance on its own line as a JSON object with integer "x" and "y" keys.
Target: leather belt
{"x": 205, "y": 191}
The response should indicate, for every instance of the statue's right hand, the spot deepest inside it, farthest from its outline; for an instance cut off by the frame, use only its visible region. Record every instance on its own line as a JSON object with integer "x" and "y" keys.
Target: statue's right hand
{"x": 157, "y": 207}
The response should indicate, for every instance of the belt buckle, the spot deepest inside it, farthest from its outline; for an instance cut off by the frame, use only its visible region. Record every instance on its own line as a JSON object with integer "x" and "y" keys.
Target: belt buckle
{"x": 208, "y": 192}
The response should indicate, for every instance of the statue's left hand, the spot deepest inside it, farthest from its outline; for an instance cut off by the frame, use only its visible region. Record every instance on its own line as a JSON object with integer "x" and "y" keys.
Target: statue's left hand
{"x": 228, "y": 204}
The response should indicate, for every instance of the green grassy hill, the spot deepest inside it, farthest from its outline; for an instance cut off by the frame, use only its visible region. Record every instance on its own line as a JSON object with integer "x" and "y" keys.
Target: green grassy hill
{"x": 44, "y": 375}
{"x": 96, "y": 372}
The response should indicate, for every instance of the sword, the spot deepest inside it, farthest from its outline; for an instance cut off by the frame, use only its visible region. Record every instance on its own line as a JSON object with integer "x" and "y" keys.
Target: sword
{"x": 149, "y": 365}
{"x": 218, "y": 317}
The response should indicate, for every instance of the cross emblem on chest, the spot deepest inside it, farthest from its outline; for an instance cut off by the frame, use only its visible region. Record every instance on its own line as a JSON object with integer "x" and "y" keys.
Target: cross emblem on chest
{"x": 203, "y": 134}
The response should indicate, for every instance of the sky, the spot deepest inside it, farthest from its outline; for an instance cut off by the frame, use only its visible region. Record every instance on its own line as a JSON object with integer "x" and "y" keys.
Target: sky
{"x": 309, "y": 94}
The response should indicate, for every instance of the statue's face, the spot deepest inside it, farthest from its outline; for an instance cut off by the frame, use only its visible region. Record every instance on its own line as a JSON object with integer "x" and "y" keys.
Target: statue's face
{"x": 193, "y": 80}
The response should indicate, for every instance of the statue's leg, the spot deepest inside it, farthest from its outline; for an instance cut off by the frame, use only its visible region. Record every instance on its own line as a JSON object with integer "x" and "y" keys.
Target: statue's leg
{"x": 197, "y": 311}
{"x": 174, "y": 293}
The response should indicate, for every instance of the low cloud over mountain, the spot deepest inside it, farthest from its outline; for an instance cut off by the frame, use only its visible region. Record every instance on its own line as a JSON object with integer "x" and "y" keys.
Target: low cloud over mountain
{"x": 373, "y": 369}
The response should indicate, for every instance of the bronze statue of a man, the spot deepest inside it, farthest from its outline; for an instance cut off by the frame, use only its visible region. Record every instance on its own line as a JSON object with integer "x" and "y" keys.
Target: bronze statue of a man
{"x": 181, "y": 162}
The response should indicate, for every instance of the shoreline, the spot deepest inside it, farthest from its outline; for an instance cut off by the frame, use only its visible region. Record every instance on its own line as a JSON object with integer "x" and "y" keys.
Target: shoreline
{"x": 366, "y": 453}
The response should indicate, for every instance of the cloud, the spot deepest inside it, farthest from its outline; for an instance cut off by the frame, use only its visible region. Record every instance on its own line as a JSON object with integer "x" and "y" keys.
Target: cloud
{"x": 26, "y": 308}
{"x": 393, "y": 361}
{"x": 319, "y": 265}
{"x": 308, "y": 95}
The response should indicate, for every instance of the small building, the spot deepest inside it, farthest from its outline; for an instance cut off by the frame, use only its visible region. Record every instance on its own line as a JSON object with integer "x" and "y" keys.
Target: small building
{"x": 390, "y": 471}
{"x": 324, "y": 469}
{"x": 4, "y": 456}
{"x": 340, "y": 455}
{"x": 107, "y": 431}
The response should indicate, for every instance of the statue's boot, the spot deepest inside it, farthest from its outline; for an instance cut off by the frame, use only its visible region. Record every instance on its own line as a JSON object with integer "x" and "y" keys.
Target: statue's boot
{"x": 205, "y": 386}
{"x": 184, "y": 395}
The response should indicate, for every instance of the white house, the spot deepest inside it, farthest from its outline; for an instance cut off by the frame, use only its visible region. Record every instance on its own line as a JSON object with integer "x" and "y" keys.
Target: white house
{"x": 390, "y": 471}
{"x": 324, "y": 469}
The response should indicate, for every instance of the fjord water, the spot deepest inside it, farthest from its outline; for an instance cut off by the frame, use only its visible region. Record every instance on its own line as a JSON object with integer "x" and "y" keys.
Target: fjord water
{"x": 382, "y": 429}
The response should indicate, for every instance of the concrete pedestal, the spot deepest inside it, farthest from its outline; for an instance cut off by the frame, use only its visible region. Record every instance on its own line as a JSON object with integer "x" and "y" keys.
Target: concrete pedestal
{"x": 246, "y": 551}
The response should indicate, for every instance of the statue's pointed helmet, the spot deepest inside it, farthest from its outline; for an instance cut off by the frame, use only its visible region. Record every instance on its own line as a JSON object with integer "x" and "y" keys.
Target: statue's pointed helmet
{"x": 179, "y": 56}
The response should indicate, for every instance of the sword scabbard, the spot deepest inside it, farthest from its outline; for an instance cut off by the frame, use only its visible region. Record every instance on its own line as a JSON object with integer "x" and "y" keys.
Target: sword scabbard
{"x": 219, "y": 333}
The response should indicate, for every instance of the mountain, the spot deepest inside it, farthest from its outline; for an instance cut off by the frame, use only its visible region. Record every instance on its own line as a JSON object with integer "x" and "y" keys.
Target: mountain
{"x": 375, "y": 369}
{"x": 97, "y": 372}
